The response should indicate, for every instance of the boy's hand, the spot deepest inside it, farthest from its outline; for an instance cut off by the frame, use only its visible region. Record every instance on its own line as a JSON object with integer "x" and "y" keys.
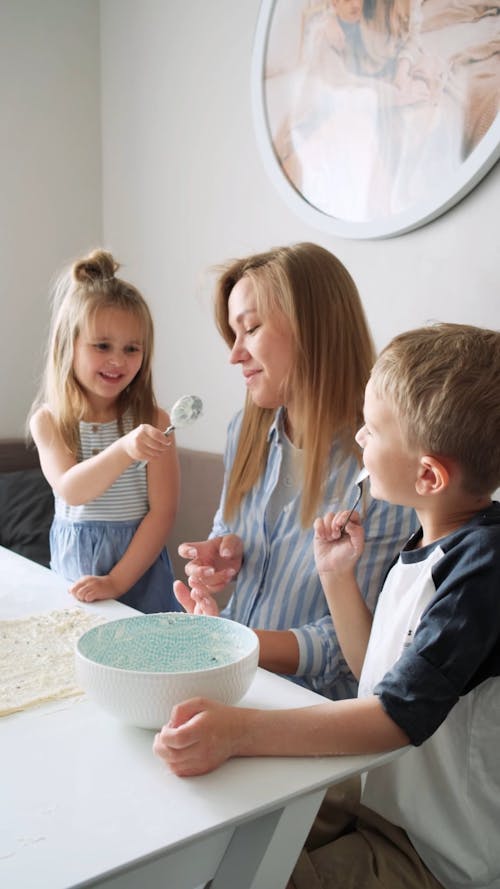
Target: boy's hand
{"x": 200, "y": 735}
{"x": 336, "y": 551}
{"x": 90, "y": 588}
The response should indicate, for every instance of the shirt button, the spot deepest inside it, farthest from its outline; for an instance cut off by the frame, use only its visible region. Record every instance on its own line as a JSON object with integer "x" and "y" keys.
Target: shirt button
{"x": 95, "y": 451}
{"x": 95, "y": 428}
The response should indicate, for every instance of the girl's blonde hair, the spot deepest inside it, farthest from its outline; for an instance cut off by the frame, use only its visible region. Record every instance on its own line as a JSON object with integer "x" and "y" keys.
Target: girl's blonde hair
{"x": 81, "y": 291}
{"x": 311, "y": 289}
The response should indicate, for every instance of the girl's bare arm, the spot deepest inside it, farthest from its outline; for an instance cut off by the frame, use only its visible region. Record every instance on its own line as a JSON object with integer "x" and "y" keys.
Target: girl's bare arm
{"x": 152, "y": 533}
{"x": 80, "y": 482}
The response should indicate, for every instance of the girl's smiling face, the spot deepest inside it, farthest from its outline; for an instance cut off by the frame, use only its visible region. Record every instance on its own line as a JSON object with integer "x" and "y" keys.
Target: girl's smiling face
{"x": 262, "y": 345}
{"x": 108, "y": 354}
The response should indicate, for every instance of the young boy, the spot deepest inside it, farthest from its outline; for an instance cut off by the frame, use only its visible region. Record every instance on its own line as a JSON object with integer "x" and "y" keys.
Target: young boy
{"x": 429, "y": 663}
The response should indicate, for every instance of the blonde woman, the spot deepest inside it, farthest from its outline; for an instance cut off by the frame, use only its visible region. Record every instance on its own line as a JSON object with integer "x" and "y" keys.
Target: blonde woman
{"x": 293, "y": 320}
{"x": 94, "y": 423}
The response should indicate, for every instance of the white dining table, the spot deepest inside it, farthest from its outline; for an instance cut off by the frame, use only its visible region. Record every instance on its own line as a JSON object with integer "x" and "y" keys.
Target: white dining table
{"x": 85, "y": 802}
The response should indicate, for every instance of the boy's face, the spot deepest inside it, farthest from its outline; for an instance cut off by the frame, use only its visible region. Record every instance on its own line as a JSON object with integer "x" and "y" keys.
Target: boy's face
{"x": 393, "y": 468}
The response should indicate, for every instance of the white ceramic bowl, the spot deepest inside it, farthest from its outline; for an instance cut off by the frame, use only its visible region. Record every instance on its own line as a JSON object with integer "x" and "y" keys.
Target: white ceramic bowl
{"x": 138, "y": 667}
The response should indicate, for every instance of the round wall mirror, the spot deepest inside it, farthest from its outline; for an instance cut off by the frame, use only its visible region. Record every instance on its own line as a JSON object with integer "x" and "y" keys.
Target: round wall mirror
{"x": 373, "y": 117}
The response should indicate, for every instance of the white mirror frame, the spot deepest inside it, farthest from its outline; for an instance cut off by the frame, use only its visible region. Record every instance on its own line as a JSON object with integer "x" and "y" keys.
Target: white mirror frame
{"x": 456, "y": 187}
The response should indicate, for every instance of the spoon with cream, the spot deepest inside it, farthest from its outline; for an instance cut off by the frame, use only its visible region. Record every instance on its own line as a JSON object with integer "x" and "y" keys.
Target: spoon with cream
{"x": 362, "y": 474}
{"x": 185, "y": 411}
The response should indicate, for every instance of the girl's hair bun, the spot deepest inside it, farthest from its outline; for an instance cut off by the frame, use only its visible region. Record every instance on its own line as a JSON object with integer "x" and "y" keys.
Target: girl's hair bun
{"x": 95, "y": 269}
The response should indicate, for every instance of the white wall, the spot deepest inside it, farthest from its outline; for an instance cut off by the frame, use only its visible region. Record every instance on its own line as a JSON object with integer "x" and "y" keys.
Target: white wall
{"x": 184, "y": 187}
{"x": 50, "y": 174}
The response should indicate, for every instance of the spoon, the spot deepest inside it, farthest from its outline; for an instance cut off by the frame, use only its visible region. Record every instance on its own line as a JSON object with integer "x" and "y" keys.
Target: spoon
{"x": 185, "y": 411}
{"x": 362, "y": 474}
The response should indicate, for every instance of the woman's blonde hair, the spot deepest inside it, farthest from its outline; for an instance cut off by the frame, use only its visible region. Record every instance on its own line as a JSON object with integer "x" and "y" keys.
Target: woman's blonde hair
{"x": 442, "y": 381}
{"x": 80, "y": 292}
{"x": 310, "y": 288}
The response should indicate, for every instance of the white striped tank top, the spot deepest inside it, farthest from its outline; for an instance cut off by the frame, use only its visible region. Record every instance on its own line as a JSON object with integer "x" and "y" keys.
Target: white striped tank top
{"x": 126, "y": 499}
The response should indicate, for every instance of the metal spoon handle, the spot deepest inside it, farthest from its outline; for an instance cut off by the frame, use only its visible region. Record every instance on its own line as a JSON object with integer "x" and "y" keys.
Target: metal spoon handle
{"x": 358, "y": 498}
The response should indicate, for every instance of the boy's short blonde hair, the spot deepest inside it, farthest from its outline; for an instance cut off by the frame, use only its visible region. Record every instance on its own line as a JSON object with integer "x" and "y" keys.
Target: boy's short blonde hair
{"x": 444, "y": 383}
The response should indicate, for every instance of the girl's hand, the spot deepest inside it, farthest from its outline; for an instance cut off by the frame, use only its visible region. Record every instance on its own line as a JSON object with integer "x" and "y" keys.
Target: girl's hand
{"x": 200, "y": 735}
{"x": 337, "y": 551}
{"x": 90, "y": 588}
{"x": 145, "y": 442}
{"x": 213, "y": 563}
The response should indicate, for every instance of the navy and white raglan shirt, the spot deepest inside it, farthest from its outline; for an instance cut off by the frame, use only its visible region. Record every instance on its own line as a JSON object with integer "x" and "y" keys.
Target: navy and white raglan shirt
{"x": 433, "y": 658}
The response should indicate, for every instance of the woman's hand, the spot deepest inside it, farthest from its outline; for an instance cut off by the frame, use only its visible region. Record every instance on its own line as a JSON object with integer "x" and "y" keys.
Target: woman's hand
{"x": 195, "y": 602}
{"x": 213, "y": 563}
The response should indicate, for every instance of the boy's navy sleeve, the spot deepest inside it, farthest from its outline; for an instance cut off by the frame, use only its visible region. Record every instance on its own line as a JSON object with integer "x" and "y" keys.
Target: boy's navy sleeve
{"x": 457, "y": 643}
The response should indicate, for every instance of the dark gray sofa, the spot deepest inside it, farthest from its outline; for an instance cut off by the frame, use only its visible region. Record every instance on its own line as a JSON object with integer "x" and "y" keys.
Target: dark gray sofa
{"x": 26, "y": 501}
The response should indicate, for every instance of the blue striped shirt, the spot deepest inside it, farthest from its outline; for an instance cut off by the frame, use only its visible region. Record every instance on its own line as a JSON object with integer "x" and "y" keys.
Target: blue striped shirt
{"x": 278, "y": 587}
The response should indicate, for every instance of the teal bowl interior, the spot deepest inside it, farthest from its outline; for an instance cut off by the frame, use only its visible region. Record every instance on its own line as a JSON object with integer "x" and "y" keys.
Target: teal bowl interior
{"x": 167, "y": 643}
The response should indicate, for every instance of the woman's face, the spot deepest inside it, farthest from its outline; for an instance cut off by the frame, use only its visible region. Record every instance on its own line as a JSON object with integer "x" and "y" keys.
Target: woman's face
{"x": 263, "y": 347}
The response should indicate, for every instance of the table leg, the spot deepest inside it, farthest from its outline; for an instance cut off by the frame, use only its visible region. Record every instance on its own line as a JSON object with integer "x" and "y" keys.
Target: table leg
{"x": 262, "y": 852}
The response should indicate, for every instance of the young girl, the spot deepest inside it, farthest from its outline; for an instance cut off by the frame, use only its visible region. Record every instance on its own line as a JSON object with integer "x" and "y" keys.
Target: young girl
{"x": 94, "y": 421}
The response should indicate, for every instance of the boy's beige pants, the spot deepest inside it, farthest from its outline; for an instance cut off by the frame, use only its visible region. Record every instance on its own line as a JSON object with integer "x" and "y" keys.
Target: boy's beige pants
{"x": 351, "y": 847}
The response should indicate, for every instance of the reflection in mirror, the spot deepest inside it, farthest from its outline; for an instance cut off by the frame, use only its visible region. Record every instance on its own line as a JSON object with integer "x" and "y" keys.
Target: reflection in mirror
{"x": 375, "y": 116}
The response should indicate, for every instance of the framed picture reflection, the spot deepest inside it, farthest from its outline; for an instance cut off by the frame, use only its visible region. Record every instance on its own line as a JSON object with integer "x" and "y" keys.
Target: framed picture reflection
{"x": 375, "y": 116}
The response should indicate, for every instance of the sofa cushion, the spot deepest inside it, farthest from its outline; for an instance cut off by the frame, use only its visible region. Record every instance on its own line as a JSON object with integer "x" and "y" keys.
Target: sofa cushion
{"x": 27, "y": 505}
{"x": 202, "y": 475}
{"x": 26, "y": 511}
